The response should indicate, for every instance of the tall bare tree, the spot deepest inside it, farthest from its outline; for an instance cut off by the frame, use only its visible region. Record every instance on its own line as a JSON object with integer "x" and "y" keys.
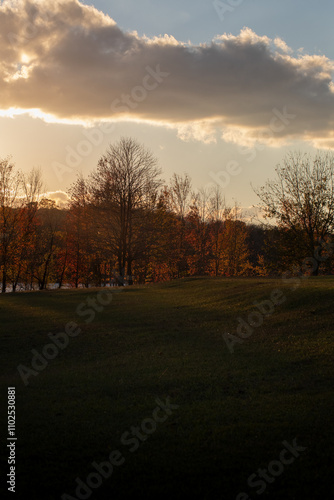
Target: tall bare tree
{"x": 180, "y": 198}
{"x": 82, "y": 232}
{"x": 126, "y": 180}
{"x": 218, "y": 212}
{"x": 198, "y": 233}
{"x": 9, "y": 216}
{"x": 180, "y": 194}
{"x": 31, "y": 189}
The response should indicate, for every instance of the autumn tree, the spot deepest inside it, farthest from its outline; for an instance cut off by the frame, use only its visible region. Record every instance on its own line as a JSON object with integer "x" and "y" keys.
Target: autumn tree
{"x": 235, "y": 250}
{"x": 301, "y": 201}
{"x": 48, "y": 238}
{"x": 19, "y": 196}
{"x": 162, "y": 252}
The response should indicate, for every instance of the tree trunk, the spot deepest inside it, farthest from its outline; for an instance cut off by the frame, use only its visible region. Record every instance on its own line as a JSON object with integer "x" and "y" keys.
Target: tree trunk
{"x": 130, "y": 272}
{"x": 4, "y": 281}
{"x": 315, "y": 272}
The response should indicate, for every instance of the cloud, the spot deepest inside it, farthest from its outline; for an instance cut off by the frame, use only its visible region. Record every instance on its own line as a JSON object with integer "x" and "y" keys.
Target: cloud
{"x": 60, "y": 197}
{"x": 66, "y": 60}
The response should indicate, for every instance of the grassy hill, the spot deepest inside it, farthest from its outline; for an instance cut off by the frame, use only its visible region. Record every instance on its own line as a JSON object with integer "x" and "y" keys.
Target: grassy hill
{"x": 232, "y": 413}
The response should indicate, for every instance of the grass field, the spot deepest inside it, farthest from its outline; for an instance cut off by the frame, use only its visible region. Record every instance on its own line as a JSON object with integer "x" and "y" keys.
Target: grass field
{"x": 231, "y": 412}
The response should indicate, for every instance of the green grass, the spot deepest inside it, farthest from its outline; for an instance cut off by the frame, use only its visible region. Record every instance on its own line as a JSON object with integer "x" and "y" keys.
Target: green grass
{"x": 235, "y": 410}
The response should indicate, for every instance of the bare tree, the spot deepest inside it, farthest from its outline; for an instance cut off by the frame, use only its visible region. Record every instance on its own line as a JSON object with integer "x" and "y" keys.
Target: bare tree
{"x": 125, "y": 181}
{"x": 218, "y": 212}
{"x": 82, "y": 231}
{"x": 180, "y": 193}
{"x": 301, "y": 200}
{"x": 10, "y": 183}
{"x": 217, "y": 204}
{"x": 198, "y": 233}
{"x": 180, "y": 197}
{"x": 31, "y": 187}
{"x": 201, "y": 200}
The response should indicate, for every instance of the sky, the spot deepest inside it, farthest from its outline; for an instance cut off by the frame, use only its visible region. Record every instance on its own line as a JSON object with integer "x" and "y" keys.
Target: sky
{"x": 221, "y": 90}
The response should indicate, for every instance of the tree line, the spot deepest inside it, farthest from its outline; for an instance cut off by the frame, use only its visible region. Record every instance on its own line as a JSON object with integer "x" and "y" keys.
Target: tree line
{"x": 124, "y": 225}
